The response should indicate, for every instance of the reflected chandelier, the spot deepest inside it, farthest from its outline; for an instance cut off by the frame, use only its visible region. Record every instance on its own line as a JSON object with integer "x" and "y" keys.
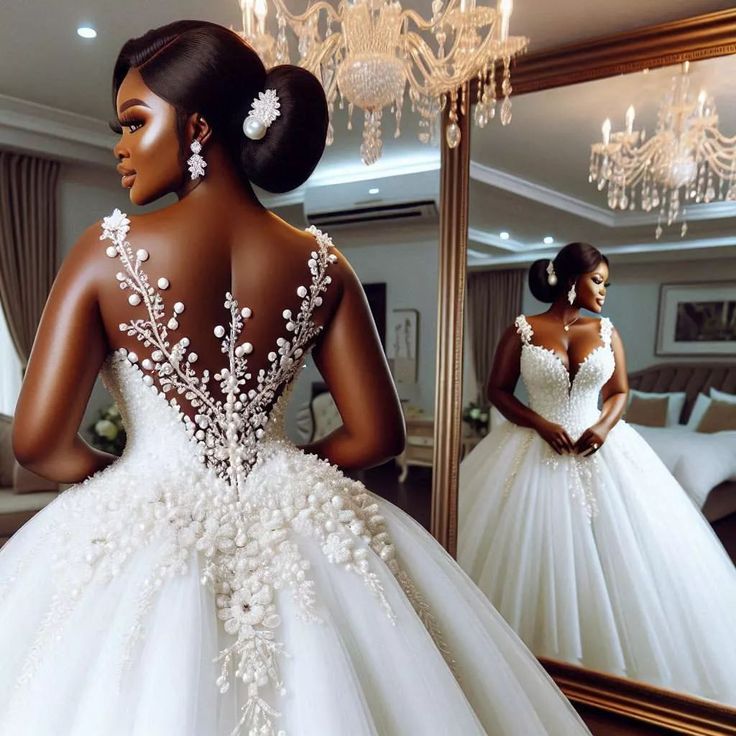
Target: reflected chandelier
{"x": 687, "y": 160}
{"x": 367, "y": 52}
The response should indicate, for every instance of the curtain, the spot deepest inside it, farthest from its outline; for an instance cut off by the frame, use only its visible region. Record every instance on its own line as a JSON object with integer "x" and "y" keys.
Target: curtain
{"x": 28, "y": 243}
{"x": 494, "y": 301}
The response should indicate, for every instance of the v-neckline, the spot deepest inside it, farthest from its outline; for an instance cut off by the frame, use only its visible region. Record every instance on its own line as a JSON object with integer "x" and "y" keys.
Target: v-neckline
{"x": 566, "y": 368}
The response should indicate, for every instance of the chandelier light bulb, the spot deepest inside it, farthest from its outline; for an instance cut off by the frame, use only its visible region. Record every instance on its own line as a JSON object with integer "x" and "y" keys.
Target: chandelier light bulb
{"x": 548, "y": 240}
{"x": 261, "y": 11}
{"x": 505, "y": 7}
{"x": 86, "y": 32}
{"x": 606, "y": 130}
{"x": 630, "y": 116}
{"x": 701, "y": 101}
{"x": 504, "y": 235}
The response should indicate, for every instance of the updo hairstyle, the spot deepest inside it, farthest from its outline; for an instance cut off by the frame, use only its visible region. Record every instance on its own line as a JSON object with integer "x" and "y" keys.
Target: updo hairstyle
{"x": 574, "y": 260}
{"x": 205, "y": 68}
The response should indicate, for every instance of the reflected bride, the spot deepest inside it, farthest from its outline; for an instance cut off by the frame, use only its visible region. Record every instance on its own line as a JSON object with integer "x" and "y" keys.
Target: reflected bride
{"x": 571, "y": 524}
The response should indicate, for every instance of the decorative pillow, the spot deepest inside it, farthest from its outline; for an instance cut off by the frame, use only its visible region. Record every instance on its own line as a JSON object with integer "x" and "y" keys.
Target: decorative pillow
{"x": 7, "y": 459}
{"x": 699, "y": 408}
{"x": 722, "y": 396}
{"x": 648, "y": 412}
{"x": 719, "y": 417}
{"x": 675, "y": 404}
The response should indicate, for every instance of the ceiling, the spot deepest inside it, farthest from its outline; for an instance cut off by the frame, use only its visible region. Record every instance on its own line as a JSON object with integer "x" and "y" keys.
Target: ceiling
{"x": 530, "y": 179}
{"x": 44, "y": 63}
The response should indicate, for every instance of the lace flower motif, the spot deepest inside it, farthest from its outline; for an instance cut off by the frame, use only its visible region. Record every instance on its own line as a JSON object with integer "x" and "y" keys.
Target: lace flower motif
{"x": 115, "y": 226}
{"x": 265, "y": 107}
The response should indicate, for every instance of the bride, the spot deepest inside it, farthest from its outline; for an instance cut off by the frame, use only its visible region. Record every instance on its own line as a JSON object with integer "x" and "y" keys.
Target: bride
{"x": 216, "y": 579}
{"x": 570, "y": 523}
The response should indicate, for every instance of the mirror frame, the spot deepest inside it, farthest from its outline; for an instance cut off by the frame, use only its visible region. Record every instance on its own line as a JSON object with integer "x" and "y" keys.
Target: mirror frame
{"x": 691, "y": 39}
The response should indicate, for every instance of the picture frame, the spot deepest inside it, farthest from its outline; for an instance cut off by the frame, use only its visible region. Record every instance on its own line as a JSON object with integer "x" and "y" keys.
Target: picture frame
{"x": 697, "y": 319}
{"x": 402, "y": 345}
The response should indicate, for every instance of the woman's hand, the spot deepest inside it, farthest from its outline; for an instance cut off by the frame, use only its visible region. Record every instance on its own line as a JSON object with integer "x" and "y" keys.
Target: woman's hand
{"x": 591, "y": 440}
{"x": 555, "y": 436}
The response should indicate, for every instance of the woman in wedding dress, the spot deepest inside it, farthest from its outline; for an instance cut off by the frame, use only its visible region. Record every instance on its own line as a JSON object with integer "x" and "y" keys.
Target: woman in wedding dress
{"x": 216, "y": 579}
{"x": 571, "y": 524}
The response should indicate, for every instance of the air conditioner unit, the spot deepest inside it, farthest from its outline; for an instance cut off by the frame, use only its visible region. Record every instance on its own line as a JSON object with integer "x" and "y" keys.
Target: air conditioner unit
{"x": 401, "y": 199}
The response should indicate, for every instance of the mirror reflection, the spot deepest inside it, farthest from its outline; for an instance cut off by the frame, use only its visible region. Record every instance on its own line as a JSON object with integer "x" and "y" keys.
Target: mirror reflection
{"x": 597, "y": 498}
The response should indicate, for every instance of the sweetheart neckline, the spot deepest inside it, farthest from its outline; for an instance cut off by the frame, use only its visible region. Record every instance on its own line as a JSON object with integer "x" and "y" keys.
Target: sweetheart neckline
{"x": 570, "y": 378}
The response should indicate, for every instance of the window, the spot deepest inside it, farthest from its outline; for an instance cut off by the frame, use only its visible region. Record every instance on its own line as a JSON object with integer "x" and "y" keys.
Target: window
{"x": 10, "y": 370}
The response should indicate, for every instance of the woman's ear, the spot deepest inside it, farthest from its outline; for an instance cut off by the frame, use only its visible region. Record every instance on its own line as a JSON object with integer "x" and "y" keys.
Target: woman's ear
{"x": 198, "y": 127}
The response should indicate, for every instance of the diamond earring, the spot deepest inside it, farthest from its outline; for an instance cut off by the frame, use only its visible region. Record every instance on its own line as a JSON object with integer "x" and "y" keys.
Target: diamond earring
{"x": 571, "y": 295}
{"x": 196, "y": 162}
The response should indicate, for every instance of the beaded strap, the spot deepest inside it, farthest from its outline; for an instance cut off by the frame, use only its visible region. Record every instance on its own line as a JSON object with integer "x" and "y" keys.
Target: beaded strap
{"x": 524, "y": 329}
{"x": 606, "y": 331}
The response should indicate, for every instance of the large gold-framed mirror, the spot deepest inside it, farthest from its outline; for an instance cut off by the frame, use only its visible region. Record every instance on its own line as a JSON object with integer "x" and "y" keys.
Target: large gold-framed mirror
{"x": 602, "y": 697}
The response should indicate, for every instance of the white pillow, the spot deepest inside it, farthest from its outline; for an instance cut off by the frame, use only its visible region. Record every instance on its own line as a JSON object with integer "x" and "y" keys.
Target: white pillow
{"x": 701, "y": 406}
{"x": 675, "y": 402}
{"x": 722, "y": 396}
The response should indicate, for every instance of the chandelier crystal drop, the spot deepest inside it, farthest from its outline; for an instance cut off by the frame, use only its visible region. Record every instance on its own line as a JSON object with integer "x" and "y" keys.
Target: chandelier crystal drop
{"x": 370, "y": 54}
{"x": 687, "y": 160}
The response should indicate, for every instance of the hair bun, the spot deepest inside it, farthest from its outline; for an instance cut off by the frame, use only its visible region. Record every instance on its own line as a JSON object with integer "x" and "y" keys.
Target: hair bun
{"x": 539, "y": 284}
{"x": 293, "y": 144}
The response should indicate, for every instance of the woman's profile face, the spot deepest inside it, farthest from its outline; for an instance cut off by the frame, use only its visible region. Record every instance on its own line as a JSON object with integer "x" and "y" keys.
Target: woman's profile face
{"x": 148, "y": 149}
{"x": 591, "y": 288}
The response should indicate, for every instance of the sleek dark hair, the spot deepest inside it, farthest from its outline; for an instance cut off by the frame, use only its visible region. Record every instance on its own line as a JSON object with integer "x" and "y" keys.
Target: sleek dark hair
{"x": 574, "y": 260}
{"x": 202, "y": 67}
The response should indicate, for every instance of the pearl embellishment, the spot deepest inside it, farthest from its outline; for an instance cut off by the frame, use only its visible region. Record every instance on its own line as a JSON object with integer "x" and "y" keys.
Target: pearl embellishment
{"x": 179, "y": 307}
{"x": 301, "y": 291}
{"x": 141, "y": 254}
{"x": 219, "y": 331}
{"x": 110, "y": 251}
{"x": 254, "y": 129}
{"x": 163, "y": 283}
{"x": 246, "y": 312}
{"x": 172, "y": 324}
{"x": 134, "y": 300}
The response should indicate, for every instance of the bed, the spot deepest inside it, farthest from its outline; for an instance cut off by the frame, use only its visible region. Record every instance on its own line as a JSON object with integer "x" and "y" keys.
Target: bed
{"x": 704, "y": 464}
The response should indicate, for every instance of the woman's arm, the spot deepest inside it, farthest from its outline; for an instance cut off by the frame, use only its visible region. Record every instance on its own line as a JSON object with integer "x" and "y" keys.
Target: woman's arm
{"x": 614, "y": 395}
{"x": 501, "y": 385}
{"x": 351, "y": 360}
{"x": 68, "y": 350}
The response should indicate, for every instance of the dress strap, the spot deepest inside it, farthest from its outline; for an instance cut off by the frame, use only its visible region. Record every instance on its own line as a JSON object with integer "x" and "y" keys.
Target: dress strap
{"x": 524, "y": 329}
{"x": 606, "y": 331}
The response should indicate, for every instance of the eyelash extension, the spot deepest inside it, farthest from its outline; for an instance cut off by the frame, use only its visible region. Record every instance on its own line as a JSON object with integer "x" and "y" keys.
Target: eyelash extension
{"x": 117, "y": 125}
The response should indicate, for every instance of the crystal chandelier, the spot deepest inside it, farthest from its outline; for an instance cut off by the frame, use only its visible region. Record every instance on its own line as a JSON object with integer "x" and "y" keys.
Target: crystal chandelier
{"x": 367, "y": 53}
{"x": 687, "y": 160}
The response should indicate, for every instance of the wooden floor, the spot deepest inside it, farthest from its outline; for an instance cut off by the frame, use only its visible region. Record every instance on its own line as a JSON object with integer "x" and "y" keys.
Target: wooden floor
{"x": 414, "y": 495}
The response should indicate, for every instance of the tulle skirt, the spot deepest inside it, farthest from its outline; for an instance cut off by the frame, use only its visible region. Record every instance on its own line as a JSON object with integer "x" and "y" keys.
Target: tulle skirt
{"x": 602, "y": 562}
{"x": 354, "y": 672}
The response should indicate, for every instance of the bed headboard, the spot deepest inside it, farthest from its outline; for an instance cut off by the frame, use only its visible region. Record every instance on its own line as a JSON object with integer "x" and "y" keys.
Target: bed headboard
{"x": 692, "y": 378}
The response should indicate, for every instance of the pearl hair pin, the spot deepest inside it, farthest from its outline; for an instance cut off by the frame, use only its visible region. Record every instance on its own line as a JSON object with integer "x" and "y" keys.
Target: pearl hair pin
{"x": 263, "y": 111}
{"x": 551, "y": 275}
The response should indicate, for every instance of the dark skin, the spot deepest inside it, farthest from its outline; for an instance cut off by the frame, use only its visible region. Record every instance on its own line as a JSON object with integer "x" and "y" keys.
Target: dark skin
{"x": 216, "y": 238}
{"x": 572, "y": 348}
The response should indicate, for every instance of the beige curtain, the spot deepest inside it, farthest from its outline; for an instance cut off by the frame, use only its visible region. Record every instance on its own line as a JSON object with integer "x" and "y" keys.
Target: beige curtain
{"x": 494, "y": 301}
{"x": 28, "y": 236}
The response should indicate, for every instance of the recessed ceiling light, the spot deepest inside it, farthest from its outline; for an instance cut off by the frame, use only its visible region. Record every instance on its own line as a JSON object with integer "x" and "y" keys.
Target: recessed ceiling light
{"x": 373, "y": 190}
{"x": 86, "y": 32}
{"x": 504, "y": 235}
{"x": 548, "y": 240}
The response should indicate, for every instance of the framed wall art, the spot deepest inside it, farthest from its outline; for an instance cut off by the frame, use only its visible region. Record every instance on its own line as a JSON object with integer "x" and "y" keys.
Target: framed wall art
{"x": 697, "y": 319}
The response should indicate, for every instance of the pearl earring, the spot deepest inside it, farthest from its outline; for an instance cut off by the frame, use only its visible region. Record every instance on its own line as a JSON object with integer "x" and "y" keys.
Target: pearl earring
{"x": 196, "y": 162}
{"x": 571, "y": 295}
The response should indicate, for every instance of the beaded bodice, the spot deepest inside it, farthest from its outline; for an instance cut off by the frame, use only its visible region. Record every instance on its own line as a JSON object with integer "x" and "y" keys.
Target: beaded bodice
{"x": 226, "y": 488}
{"x": 554, "y": 393}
